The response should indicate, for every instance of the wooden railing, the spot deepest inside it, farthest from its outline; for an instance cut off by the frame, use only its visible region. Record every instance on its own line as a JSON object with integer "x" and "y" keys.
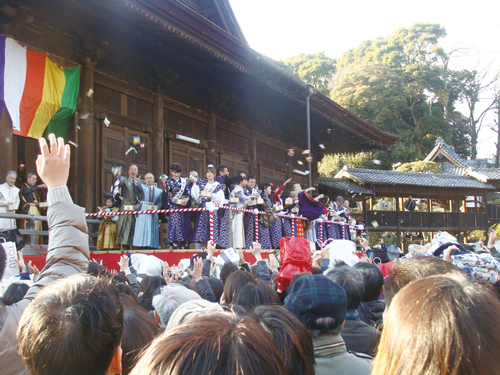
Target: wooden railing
{"x": 426, "y": 220}
{"x": 493, "y": 211}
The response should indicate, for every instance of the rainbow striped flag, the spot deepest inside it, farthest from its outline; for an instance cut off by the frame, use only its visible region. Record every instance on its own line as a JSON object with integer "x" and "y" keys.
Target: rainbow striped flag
{"x": 39, "y": 95}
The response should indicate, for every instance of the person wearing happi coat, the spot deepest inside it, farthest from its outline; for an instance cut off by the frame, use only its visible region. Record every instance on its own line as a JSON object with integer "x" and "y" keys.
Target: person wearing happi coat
{"x": 277, "y": 226}
{"x": 128, "y": 191}
{"x": 265, "y": 221}
{"x": 30, "y": 200}
{"x": 249, "y": 218}
{"x": 209, "y": 191}
{"x": 9, "y": 196}
{"x": 147, "y": 230}
{"x": 179, "y": 224}
{"x": 223, "y": 216}
{"x": 108, "y": 229}
{"x": 237, "y": 229}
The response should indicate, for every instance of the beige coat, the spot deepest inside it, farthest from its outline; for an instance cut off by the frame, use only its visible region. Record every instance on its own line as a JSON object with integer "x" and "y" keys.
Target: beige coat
{"x": 68, "y": 255}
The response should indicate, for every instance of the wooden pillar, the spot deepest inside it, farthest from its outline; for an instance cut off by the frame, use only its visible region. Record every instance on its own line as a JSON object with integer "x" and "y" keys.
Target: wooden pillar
{"x": 211, "y": 136}
{"x": 158, "y": 136}
{"x": 459, "y": 237}
{"x": 86, "y": 163}
{"x": 365, "y": 209}
{"x": 485, "y": 214}
{"x": 253, "y": 153}
{"x": 5, "y": 145}
{"x": 398, "y": 207}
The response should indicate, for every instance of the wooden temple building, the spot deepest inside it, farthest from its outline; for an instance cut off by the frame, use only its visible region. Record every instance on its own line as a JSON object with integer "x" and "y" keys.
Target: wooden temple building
{"x": 180, "y": 75}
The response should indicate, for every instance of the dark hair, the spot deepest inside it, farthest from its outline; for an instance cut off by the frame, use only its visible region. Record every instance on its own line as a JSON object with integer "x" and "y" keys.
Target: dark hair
{"x": 285, "y": 194}
{"x": 72, "y": 327}
{"x": 240, "y": 178}
{"x": 264, "y": 186}
{"x": 235, "y": 282}
{"x": 443, "y": 324}
{"x": 291, "y": 337}
{"x": 95, "y": 269}
{"x": 220, "y": 343}
{"x": 217, "y": 287}
{"x": 149, "y": 287}
{"x": 139, "y": 329}
{"x": 14, "y": 293}
{"x": 374, "y": 280}
{"x": 176, "y": 167}
{"x": 249, "y": 296}
{"x": 270, "y": 295}
{"x": 316, "y": 271}
{"x": 407, "y": 270}
{"x": 227, "y": 269}
{"x": 126, "y": 289}
{"x": 221, "y": 168}
{"x": 351, "y": 280}
{"x": 251, "y": 176}
{"x": 3, "y": 261}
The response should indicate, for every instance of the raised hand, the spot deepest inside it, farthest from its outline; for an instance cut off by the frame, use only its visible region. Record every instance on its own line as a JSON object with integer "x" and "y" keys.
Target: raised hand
{"x": 34, "y": 270}
{"x": 197, "y": 271}
{"x": 256, "y": 247}
{"x": 53, "y": 165}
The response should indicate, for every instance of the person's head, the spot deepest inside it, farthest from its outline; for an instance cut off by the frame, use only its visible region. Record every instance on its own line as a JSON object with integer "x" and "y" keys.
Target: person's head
{"x": 241, "y": 180}
{"x": 222, "y": 170}
{"x": 271, "y": 297}
{"x": 3, "y": 261}
{"x": 169, "y": 299}
{"x": 133, "y": 171}
{"x": 221, "y": 343}
{"x": 351, "y": 280}
{"x": 285, "y": 194}
{"x": 407, "y": 270}
{"x": 339, "y": 200}
{"x": 148, "y": 288}
{"x": 73, "y": 327}
{"x": 443, "y": 324}
{"x": 346, "y": 203}
{"x": 149, "y": 179}
{"x": 139, "y": 329}
{"x": 109, "y": 202}
{"x": 193, "y": 176}
{"x": 10, "y": 178}
{"x": 227, "y": 269}
{"x": 291, "y": 337}
{"x": 235, "y": 282}
{"x": 192, "y": 309}
{"x": 249, "y": 296}
{"x": 374, "y": 280}
{"x": 98, "y": 270}
{"x": 14, "y": 293}
{"x": 251, "y": 181}
{"x": 175, "y": 170}
{"x": 210, "y": 173}
{"x": 217, "y": 287}
{"x": 31, "y": 178}
{"x": 266, "y": 188}
{"x": 318, "y": 303}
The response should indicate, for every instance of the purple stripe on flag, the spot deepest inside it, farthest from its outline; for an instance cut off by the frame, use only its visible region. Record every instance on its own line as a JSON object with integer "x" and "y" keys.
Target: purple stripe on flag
{"x": 2, "y": 71}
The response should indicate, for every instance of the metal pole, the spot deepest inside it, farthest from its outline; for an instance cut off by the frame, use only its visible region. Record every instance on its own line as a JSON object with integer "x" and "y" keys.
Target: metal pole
{"x": 309, "y": 93}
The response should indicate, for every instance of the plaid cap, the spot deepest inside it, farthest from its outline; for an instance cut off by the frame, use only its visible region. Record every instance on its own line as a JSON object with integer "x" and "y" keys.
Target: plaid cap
{"x": 315, "y": 296}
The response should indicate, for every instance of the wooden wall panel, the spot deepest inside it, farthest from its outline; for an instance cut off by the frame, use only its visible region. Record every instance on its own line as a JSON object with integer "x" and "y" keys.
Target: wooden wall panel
{"x": 107, "y": 98}
{"x": 139, "y": 109}
{"x": 185, "y": 125}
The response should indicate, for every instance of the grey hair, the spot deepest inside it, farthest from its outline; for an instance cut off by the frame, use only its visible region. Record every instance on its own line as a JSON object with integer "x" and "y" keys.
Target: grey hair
{"x": 30, "y": 174}
{"x": 9, "y": 173}
{"x": 169, "y": 299}
{"x": 191, "y": 173}
{"x": 325, "y": 321}
{"x": 340, "y": 198}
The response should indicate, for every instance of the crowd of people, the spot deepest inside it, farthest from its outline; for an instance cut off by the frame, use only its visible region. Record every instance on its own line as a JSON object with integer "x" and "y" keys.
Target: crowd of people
{"x": 231, "y": 228}
{"x": 434, "y": 313}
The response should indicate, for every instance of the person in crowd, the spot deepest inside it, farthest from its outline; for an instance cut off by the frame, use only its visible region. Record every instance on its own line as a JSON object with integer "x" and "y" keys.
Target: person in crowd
{"x": 73, "y": 327}
{"x": 108, "y": 229}
{"x": 147, "y": 232}
{"x": 358, "y": 336}
{"x": 320, "y": 305}
{"x": 266, "y": 221}
{"x": 220, "y": 343}
{"x": 68, "y": 246}
{"x": 276, "y": 229}
{"x": 210, "y": 191}
{"x": 443, "y": 324}
{"x": 192, "y": 309}
{"x": 139, "y": 329}
{"x": 9, "y": 200}
{"x": 237, "y": 229}
{"x": 407, "y": 270}
{"x": 128, "y": 195}
{"x": 249, "y": 218}
{"x": 291, "y": 337}
{"x": 148, "y": 288}
{"x": 234, "y": 283}
{"x": 338, "y": 205}
{"x": 31, "y": 200}
{"x": 14, "y": 293}
{"x": 194, "y": 189}
{"x": 179, "y": 224}
{"x": 410, "y": 204}
{"x": 371, "y": 309}
{"x": 223, "y": 216}
{"x": 286, "y": 222}
{"x": 169, "y": 299}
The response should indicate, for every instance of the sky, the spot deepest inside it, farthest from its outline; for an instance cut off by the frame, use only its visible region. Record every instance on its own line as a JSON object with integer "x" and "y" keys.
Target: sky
{"x": 283, "y": 28}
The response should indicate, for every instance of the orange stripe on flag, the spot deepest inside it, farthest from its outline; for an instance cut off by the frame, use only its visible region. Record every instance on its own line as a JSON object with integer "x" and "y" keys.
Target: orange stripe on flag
{"x": 53, "y": 87}
{"x": 33, "y": 90}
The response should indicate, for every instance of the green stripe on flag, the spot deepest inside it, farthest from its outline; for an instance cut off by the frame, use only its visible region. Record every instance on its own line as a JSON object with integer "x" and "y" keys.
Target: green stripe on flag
{"x": 60, "y": 123}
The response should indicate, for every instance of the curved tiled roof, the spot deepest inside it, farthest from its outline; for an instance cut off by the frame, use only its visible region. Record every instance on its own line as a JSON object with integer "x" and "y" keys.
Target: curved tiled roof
{"x": 343, "y": 184}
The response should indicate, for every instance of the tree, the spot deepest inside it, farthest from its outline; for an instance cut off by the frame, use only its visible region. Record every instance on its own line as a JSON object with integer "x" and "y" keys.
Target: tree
{"x": 332, "y": 164}
{"x": 317, "y": 69}
{"x": 420, "y": 167}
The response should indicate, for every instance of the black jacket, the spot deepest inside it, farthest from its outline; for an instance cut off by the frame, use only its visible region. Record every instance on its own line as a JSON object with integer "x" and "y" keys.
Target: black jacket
{"x": 371, "y": 312}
